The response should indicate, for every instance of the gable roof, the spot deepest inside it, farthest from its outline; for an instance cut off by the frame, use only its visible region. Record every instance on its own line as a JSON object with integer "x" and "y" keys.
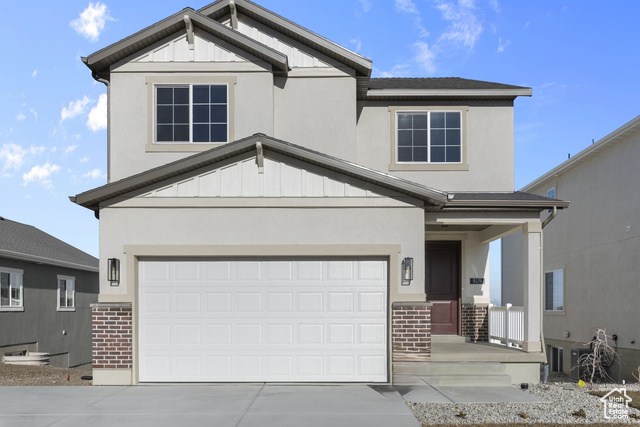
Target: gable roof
{"x": 442, "y": 87}
{"x": 92, "y": 198}
{"x": 589, "y": 152}
{"x": 221, "y": 8}
{"x": 101, "y": 61}
{"x": 434, "y": 199}
{"x": 27, "y": 243}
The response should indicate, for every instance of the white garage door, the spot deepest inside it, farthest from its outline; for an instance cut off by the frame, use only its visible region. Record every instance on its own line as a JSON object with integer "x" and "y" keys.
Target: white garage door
{"x": 303, "y": 320}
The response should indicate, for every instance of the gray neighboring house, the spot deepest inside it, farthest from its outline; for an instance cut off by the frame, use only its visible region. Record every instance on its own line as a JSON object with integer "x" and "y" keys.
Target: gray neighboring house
{"x": 274, "y": 213}
{"x": 46, "y": 291}
{"x": 591, "y": 252}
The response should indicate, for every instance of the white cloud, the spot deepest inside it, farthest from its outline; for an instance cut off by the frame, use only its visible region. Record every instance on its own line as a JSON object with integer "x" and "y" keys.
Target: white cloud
{"x": 495, "y": 6}
{"x": 20, "y": 117}
{"x": 84, "y": 160}
{"x": 95, "y": 174}
{"x": 91, "y": 21}
{"x": 357, "y": 42}
{"x": 366, "y": 5}
{"x": 399, "y": 70}
{"x": 425, "y": 57}
{"x": 406, "y": 6}
{"x": 501, "y": 45}
{"x": 40, "y": 174}
{"x": 12, "y": 156}
{"x": 98, "y": 115}
{"x": 34, "y": 73}
{"x": 74, "y": 108}
{"x": 35, "y": 114}
{"x": 465, "y": 27}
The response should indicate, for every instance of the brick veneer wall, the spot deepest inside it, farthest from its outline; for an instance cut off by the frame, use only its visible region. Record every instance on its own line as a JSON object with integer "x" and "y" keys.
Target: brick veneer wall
{"x": 475, "y": 322}
{"x": 112, "y": 340}
{"x": 411, "y": 331}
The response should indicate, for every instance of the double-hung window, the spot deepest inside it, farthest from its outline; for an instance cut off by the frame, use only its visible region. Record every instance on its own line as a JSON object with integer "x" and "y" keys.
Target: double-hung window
{"x": 11, "y": 297}
{"x": 66, "y": 293}
{"x": 554, "y": 290}
{"x": 429, "y": 137}
{"x": 191, "y": 113}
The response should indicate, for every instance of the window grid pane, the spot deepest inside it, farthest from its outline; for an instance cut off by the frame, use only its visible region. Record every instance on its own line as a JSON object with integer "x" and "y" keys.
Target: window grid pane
{"x": 210, "y": 113}
{"x": 172, "y": 114}
{"x": 62, "y": 291}
{"x": 429, "y": 137}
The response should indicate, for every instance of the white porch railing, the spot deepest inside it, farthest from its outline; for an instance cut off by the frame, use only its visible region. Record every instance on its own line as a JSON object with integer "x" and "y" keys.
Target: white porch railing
{"x": 506, "y": 325}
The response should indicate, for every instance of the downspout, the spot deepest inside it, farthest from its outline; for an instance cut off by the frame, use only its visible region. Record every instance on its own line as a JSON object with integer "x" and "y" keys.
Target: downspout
{"x": 106, "y": 82}
{"x": 550, "y": 217}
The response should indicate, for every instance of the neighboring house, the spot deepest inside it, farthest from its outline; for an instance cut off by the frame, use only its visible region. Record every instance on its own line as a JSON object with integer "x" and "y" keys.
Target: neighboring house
{"x": 591, "y": 266}
{"x": 46, "y": 291}
{"x": 275, "y": 214}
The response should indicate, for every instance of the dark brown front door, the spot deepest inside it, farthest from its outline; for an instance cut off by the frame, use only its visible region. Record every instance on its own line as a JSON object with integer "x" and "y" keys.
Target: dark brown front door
{"x": 443, "y": 286}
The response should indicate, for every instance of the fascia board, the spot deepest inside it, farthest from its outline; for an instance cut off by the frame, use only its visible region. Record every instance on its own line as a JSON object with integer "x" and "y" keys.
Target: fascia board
{"x": 457, "y": 93}
{"x": 278, "y": 59}
{"x": 311, "y": 39}
{"x": 48, "y": 261}
{"x": 91, "y": 199}
{"x": 536, "y": 204}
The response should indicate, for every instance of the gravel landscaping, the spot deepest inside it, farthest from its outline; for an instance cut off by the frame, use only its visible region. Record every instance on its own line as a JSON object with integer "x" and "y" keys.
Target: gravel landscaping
{"x": 16, "y": 375}
{"x": 566, "y": 403}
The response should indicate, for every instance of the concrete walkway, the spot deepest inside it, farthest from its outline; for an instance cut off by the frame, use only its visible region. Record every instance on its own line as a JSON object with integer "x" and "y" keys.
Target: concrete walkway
{"x": 234, "y": 405}
{"x": 204, "y": 405}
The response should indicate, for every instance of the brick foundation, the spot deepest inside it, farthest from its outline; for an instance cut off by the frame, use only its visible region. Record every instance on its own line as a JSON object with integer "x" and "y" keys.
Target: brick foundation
{"x": 112, "y": 340}
{"x": 475, "y": 322}
{"x": 411, "y": 329}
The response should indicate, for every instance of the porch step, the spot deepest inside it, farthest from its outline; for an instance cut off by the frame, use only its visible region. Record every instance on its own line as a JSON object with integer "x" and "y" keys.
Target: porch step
{"x": 448, "y": 339}
{"x": 451, "y": 373}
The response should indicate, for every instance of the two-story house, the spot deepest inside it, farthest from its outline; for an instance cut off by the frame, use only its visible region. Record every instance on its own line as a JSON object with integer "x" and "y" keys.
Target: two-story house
{"x": 591, "y": 255}
{"x": 273, "y": 213}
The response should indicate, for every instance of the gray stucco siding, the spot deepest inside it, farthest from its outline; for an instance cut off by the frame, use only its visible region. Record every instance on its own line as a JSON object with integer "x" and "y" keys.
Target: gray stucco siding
{"x": 487, "y": 144}
{"x": 298, "y": 229}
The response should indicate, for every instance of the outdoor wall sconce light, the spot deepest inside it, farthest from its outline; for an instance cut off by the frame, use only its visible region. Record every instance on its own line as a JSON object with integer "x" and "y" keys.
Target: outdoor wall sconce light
{"x": 407, "y": 271}
{"x": 113, "y": 271}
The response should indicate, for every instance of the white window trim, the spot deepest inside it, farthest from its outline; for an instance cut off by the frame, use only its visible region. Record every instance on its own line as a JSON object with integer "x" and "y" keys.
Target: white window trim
{"x": 394, "y": 165}
{"x": 564, "y": 287}
{"x": 68, "y": 279}
{"x": 21, "y": 274}
{"x": 173, "y": 147}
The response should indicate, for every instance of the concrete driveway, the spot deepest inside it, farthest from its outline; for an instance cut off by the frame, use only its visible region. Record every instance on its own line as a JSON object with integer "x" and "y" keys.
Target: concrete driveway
{"x": 206, "y": 405}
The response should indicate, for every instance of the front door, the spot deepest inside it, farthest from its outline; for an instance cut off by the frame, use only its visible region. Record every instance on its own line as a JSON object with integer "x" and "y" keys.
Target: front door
{"x": 443, "y": 286}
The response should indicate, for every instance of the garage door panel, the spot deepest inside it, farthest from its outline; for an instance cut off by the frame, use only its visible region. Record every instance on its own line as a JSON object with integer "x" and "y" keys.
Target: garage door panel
{"x": 302, "y": 320}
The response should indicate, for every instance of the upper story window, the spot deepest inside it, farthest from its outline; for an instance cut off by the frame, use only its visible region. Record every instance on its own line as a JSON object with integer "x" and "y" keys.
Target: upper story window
{"x": 191, "y": 113}
{"x": 11, "y": 289}
{"x": 429, "y": 137}
{"x": 66, "y": 293}
{"x": 554, "y": 290}
{"x": 551, "y": 193}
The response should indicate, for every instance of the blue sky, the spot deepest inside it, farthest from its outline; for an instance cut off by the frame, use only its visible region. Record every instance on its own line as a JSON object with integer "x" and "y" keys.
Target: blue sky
{"x": 580, "y": 57}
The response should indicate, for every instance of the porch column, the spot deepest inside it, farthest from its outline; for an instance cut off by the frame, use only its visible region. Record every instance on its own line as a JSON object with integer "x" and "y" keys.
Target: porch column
{"x": 532, "y": 232}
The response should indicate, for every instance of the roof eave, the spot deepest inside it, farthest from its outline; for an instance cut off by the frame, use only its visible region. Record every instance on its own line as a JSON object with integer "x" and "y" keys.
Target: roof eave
{"x": 48, "y": 261}
{"x": 144, "y": 38}
{"x": 93, "y": 198}
{"x": 502, "y": 204}
{"x": 450, "y": 93}
{"x": 611, "y": 138}
{"x": 361, "y": 64}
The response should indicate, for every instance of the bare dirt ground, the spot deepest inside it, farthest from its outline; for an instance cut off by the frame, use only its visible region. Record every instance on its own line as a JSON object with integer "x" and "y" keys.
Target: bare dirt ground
{"x": 16, "y": 375}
